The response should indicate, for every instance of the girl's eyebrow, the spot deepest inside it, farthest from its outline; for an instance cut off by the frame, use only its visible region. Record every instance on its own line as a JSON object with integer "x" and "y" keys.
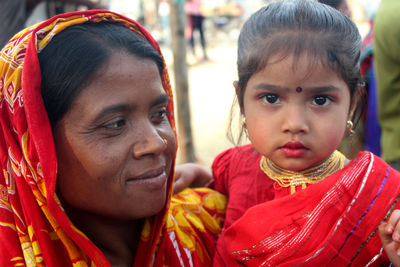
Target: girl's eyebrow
{"x": 314, "y": 90}
{"x": 323, "y": 89}
{"x": 270, "y": 87}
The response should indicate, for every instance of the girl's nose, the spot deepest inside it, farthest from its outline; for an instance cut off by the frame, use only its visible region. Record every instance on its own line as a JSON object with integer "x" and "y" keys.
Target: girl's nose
{"x": 150, "y": 143}
{"x": 294, "y": 120}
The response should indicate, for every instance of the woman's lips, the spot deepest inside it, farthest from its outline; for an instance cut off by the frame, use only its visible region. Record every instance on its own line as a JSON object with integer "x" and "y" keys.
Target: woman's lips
{"x": 294, "y": 149}
{"x": 152, "y": 180}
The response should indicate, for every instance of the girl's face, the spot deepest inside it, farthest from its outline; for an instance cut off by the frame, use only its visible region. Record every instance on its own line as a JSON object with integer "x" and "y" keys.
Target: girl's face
{"x": 295, "y": 117}
{"x": 112, "y": 159}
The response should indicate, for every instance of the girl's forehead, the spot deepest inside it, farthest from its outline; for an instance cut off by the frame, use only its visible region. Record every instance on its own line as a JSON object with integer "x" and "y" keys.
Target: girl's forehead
{"x": 304, "y": 64}
{"x": 296, "y": 74}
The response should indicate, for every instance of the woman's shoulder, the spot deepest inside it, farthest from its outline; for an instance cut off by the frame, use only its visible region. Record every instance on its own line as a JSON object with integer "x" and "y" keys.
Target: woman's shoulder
{"x": 197, "y": 215}
{"x": 191, "y": 227}
{"x": 200, "y": 199}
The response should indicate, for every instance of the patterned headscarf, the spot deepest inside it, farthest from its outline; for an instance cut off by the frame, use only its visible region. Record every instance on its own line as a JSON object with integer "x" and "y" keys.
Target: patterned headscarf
{"x": 34, "y": 228}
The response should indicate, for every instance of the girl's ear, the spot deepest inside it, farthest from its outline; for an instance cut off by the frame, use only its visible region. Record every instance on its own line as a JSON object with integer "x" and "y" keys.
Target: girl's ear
{"x": 236, "y": 85}
{"x": 354, "y": 103}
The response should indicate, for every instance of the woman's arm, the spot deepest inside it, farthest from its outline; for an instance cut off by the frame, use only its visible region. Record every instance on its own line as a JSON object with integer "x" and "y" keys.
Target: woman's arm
{"x": 390, "y": 236}
{"x": 191, "y": 175}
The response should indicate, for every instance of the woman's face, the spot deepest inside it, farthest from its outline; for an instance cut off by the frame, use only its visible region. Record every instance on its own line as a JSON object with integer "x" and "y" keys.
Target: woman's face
{"x": 113, "y": 160}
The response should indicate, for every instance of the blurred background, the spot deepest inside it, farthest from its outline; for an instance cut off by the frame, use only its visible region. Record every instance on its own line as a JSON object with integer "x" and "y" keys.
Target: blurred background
{"x": 205, "y": 73}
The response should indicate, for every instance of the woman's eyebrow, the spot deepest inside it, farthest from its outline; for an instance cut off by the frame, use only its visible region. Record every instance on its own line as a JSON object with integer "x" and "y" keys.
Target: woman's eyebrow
{"x": 115, "y": 109}
{"x": 162, "y": 99}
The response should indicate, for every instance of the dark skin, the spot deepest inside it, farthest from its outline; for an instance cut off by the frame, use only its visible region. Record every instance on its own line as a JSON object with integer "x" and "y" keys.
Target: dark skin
{"x": 115, "y": 148}
{"x": 121, "y": 240}
{"x": 191, "y": 175}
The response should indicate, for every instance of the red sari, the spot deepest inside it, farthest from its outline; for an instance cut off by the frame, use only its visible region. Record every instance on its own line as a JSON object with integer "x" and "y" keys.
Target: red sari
{"x": 34, "y": 229}
{"x": 331, "y": 223}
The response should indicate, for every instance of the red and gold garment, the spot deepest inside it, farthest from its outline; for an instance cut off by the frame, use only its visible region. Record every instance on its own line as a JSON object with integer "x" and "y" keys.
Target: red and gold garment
{"x": 331, "y": 223}
{"x": 34, "y": 229}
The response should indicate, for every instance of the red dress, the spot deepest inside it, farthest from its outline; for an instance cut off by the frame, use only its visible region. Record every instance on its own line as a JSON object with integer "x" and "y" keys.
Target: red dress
{"x": 238, "y": 175}
{"x": 332, "y": 223}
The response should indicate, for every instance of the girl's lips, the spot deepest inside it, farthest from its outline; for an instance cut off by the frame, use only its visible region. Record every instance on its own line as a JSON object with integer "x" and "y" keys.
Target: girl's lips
{"x": 294, "y": 149}
{"x": 294, "y": 145}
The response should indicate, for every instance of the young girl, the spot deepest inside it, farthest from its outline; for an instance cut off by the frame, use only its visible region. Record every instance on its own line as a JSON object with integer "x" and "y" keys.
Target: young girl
{"x": 293, "y": 198}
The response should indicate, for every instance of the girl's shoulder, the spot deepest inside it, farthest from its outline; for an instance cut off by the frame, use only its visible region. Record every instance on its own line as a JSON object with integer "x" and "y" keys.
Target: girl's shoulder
{"x": 234, "y": 162}
{"x": 236, "y": 154}
{"x": 375, "y": 163}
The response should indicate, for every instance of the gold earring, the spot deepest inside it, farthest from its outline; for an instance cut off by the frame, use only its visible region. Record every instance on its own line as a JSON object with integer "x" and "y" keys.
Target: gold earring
{"x": 244, "y": 127}
{"x": 164, "y": 141}
{"x": 349, "y": 127}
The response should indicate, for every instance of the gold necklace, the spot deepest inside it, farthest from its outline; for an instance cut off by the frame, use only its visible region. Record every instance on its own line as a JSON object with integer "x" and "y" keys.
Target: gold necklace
{"x": 286, "y": 178}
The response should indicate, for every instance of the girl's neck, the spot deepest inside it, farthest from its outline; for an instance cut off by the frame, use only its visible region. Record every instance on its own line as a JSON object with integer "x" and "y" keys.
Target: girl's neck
{"x": 117, "y": 239}
{"x": 315, "y": 174}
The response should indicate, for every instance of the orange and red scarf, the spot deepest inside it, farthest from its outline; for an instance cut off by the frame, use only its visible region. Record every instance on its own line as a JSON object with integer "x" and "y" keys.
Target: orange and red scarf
{"x": 34, "y": 229}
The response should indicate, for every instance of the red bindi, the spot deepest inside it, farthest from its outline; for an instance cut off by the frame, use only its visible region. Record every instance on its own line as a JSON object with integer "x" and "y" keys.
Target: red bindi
{"x": 299, "y": 89}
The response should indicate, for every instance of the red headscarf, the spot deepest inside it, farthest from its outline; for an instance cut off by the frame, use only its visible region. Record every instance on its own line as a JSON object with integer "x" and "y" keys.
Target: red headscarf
{"x": 34, "y": 228}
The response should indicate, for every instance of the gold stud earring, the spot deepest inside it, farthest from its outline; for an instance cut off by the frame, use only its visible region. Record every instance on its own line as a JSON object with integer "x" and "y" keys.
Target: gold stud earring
{"x": 164, "y": 141}
{"x": 244, "y": 127}
{"x": 349, "y": 127}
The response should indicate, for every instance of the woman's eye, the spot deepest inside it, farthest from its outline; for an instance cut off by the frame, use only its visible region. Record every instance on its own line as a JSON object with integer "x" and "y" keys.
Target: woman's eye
{"x": 321, "y": 100}
{"x": 159, "y": 115}
{"x": 116, "y": 125}
{"x": 271, "y": 98}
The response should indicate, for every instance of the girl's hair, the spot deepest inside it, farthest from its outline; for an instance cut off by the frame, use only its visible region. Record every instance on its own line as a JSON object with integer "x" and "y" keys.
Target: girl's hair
{"x": 298, "y": 27}
{"x": 70, "y": 61}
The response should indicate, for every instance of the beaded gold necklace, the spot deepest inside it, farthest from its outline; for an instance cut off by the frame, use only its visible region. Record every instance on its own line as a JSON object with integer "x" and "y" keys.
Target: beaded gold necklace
{"x": 286, "y": 178}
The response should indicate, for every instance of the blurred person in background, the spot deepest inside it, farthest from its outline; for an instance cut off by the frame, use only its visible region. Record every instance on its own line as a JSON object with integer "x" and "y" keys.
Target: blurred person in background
{"x": 387, "y": 67}
{"x": 195, "y": 20}
{"x": 372, "y": 132}
{"x": 340, "y": 5}
{"x": 15, "y": 14}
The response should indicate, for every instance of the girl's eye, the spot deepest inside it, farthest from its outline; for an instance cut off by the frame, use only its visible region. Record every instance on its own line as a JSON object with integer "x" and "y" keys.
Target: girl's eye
{"x": 271, "y": 98}
{"x": 321, "y": 100}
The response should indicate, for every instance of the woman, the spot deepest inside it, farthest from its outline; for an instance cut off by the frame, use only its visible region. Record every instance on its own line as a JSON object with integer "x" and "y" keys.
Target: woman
{"x": 90, "y": 183}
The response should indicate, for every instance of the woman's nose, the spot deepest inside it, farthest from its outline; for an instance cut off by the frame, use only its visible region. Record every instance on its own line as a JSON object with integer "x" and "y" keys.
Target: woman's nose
{"x": 294, "y": 120}
{"x": 149, "y": 142}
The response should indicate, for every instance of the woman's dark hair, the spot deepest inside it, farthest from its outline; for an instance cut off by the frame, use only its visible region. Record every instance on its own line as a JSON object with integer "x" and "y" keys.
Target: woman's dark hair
{"x": 71, "y": 59}
{"x": 297, "y": 27}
